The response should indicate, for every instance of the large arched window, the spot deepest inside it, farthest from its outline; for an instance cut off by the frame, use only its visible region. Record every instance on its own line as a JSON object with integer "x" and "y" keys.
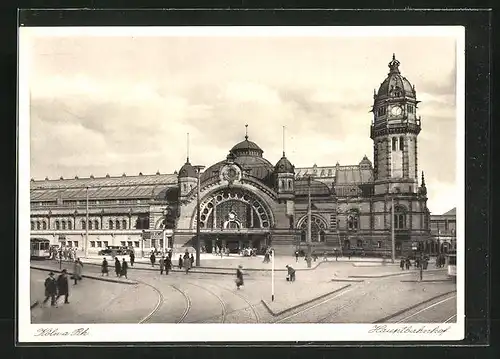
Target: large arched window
{"x": 63, "y": 225}
{"x": 111, "y": 224}
{"x": 44, "y": 225}
{"x": 394, "y": 144}
{"x": 70, "y": 225}
{"x": 124, "y": 224}
{"x": 117, "y": 224}
{"x": 32, "y": 225}
{"x": 38, "y": 225}
{"x": 353, "y": 220}
{"x": 318, "y": 227}
{"x": 58, "y": 225}
{"x": 401, "y": 143}
{"x": 84, "y": 225}
{"x": 399, "y": 217}
{"x": 90, "y": 225}
{"x": 96, "y": 224}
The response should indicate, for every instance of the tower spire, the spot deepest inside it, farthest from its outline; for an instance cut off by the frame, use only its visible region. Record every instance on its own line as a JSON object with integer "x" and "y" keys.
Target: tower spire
{"x": 423, "y": 180}
{"x": 283, "y": 141}
{"x": 246, "y": 132}
{"x": 187, "y": 157}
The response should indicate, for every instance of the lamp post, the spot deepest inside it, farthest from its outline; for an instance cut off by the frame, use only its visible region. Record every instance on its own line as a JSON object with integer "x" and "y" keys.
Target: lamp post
{"x": 309, "y": 219}
{"x": 272, "y": 274}
{"x": 198, "y": 169}
{"x": 86, "y": 244}
{"x": 393, "y": 239}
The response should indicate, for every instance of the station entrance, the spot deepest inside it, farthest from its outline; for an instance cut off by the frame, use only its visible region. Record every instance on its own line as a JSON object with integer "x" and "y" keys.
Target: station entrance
{"x": 235, "y": 242}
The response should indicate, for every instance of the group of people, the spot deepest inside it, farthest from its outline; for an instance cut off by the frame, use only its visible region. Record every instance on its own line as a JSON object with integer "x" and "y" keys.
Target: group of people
{"x": 419, "y": 262}
{"x": 120, "y": 268}
{"x": 55, "y": 288}
{"x": 220, "y": 251}
{"x": 66, "y": 253}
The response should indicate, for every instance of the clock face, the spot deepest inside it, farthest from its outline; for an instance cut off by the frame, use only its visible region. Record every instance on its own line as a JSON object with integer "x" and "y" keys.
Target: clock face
{"x": 396, "y": 111}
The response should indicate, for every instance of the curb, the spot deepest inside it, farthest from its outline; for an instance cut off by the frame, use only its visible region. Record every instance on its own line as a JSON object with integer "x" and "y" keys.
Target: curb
{"x": 36, "y": 303}
{"x": 103, "y": 279}
{"x": 385, "y": 319}
{"x": 266, "y": 305}
{"x": 392, "y": 274}
{"x": 348, "y": 280}
{"x": 428, "y": 281}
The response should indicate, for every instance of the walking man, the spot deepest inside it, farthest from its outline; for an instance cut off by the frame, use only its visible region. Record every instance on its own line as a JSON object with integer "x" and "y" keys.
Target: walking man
{"x": 77, "y": 270}
{"x": 124, "y": 268}
{"x": 152, "y": 258}
{"x": 162, "y": 264}
{"x": 104, "y": 267}
{"x": 168, "y": 264}
{"x": 192, "y": 260}
{"x": 118, "y": 267}
{"x": 63, "y": 286}
{"x": 180, "y": 261}
{"x": 186, "y": 261}
{"x": 132, "y": 258}
{"x": 296, "y": 256}
{"x": 239, "y": 277}
{"x": 291, "y": 273}
{"x": 50, "y": 290}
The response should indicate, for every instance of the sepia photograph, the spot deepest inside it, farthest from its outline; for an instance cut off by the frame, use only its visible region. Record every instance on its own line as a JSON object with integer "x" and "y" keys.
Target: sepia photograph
{"x": 232, "y": 178}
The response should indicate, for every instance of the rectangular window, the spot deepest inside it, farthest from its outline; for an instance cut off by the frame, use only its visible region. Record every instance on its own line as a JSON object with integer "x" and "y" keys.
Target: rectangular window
{"x": 129, "y": 244}
{"x": 401, "y": 143}
{"x": 136, "y": 244}
{"x": 105, "y": 244}
{"x": 75, "y": 243}
{"x": 99, "y": 244}
{"x": 379, "y": 244}
{"x": 69, "y": 244}
{"x": 394, "y": 143}
{"x": 122, "y": 243}
{"x": 63, "y": 243}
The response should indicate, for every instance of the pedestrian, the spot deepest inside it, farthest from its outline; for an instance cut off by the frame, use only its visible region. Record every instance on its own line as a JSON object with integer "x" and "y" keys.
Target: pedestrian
{"x": 291, "y": 273}
{"x": 118, "y": 267}
{"x": 349, "y": 254}
{"x": 104, "y": 267}
{"x": 408, "y": 263}
{"x": 336, "y": 255}
{"x": 62, "y": 286}
{"x": 77, "y": 270}
{"x": 180, "y": 261}
{"x": 152, "y": 258}
{"x": 168, "y": 264}
{"x": 186, "y": 261}
{"x": 192, "y": 260}
{"x": 170, "y": 254}
{"x": 124, "y": 268}
{"x": 296, "y": 256}
{"x": 325, "y": 257}
{"x": 50, "y": 289}
{"x": 239, "y": 277}
{"x": 402, "y": 263}
{"x": 162, "y": 264}
{"x": 132, "y": 258}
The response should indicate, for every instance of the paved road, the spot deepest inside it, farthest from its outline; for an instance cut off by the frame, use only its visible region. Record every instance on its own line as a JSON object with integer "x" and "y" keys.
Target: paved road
{"x": 209, "y": 298}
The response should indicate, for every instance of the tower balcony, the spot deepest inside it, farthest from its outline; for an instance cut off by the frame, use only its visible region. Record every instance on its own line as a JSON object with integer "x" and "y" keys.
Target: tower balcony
{"x": 386, "y": 128}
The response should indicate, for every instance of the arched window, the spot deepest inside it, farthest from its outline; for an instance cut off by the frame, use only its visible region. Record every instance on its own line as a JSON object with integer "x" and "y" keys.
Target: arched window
{"x": 322, "y": 236}
{"x": 64, "y": 225}
{"x": 110, "y": 224}
{"x": 401, "y": 143}
{"x": 44, "y": 225}
{"x": 96, "y": 224}
{"x": 353, "y": 220}
{"x": 303, "y": 236}
{"x": 90, "y": 225}
{"x": 84, "y": 225}
{"x": 117, "y": 224}
{"x": 58, "y": 225}
{"x": 359, "y": 243}
{"x": 399, "y": 218}
{"x": 32, "y": 225}
{"x": 38, "y": 225}
{"x": 394, "y": 144}
{"x": 124, "y": 224}
{"x": 317, "y": 226}
{"x": 70, "y": 225}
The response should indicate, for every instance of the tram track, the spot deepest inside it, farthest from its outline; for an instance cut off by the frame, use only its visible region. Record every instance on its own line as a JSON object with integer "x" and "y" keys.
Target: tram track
{"x": 428, "y": 307}
{"x": 221, "y": 301}
{"x": 250, "y": 305}
{"x": 161, "y": 300}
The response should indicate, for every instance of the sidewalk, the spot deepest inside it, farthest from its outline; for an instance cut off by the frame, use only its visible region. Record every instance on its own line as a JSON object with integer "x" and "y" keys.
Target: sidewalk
{"x": 230, "y": 263}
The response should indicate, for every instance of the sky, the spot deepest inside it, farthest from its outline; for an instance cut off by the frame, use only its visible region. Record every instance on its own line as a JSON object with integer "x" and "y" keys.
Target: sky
{"x": 111, "y": 105}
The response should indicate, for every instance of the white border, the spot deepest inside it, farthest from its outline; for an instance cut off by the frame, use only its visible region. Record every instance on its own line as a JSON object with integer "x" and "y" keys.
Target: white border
{"x": 230, "y": 332}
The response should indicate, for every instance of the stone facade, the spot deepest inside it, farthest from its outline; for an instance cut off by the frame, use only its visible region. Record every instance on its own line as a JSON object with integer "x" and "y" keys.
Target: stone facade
{"x": 247, "y": 201}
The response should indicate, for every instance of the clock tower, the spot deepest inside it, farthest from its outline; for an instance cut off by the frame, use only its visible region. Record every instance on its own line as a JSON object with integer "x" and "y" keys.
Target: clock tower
{"x": 394, "y": 131}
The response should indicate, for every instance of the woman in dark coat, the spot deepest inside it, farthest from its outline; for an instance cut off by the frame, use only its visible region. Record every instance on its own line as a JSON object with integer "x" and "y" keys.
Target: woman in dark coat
{"x": 402, "y": 264}
{"x": 124, "y": 268}
{"x": 63, "y": 286}
{"x": 118, "y": 267}
{"x": 239, "y": 277}
{"x": 152, "y": 258}
{"x": 180, "y": 261}
{"x": 104, "y": 267}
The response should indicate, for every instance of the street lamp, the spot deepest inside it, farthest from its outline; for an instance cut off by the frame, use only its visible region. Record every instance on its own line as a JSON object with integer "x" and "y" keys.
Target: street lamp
{"x": 198, "y": 169}
{"x": 309, "y": 219}
{"x": 393, "y": 239}
{"x": 86, "y": 245}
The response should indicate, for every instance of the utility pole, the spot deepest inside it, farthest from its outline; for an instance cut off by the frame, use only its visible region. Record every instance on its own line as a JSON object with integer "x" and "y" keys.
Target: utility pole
{"x": 198, "y": 241}
{"x": 393, "y": 239}
{"x": 309, "y": 219}
{"x": 86, "y": 245}
{"x": 272, "y": 274}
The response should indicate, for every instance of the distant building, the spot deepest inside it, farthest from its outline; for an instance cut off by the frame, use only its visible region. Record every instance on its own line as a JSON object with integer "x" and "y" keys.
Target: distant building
{"x": 443, "y": 231}
{"x": 247, "y": 201}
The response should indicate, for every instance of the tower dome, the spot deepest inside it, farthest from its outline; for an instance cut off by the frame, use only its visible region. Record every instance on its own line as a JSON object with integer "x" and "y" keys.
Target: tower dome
{"x": 395, "y": 84}
{"x": 187, "y": 170}
{"x": 284, "y": 166}
{"x": 246, "y": 148}
{"x": 365, "y": 162}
